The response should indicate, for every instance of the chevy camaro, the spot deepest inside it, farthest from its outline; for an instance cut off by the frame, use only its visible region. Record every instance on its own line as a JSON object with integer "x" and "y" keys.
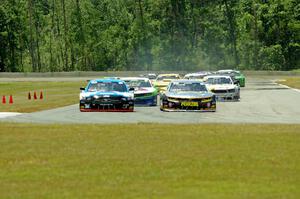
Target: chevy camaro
{"x": 237, "y": 77}
{"x": 163, "y": 80}
{"x": 223, "y": 87}
{"x": 144, "y": 92}
{"x": 187, "y": 95}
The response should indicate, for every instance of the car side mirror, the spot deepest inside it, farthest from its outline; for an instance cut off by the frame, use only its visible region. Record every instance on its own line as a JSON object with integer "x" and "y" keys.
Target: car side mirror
{"x": 82, "y": 88}
{"x": 131, "y": 89}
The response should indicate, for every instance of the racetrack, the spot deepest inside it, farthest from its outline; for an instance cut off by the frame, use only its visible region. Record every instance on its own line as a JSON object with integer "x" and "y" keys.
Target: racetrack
{"x": 262, "y": 101}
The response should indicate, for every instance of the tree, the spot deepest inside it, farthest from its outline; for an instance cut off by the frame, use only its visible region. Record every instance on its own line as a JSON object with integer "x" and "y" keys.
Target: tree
{"x": 67, "y": 35}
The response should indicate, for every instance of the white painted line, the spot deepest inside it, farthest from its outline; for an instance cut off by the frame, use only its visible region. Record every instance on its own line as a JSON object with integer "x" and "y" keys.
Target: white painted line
{"x": 285, "y": 86}
{"x": 8, "y": 114}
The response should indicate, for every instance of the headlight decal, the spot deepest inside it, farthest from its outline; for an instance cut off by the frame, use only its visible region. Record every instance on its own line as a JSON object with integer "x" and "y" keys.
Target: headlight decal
{"x": 205, "y": 100}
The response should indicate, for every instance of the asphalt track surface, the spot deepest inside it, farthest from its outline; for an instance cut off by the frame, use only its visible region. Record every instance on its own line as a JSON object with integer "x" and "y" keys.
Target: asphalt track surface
{"x": 262, "y": 101}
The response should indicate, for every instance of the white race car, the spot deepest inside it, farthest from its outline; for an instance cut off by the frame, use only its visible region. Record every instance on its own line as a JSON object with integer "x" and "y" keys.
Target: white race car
{"x": 223, "y": 87}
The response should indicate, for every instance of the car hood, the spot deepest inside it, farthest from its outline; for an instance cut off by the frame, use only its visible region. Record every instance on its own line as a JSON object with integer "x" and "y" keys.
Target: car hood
{"x": 221, "y": 86}
{"x": 162, "y": 83}
{"x": 239, "y": 77}
{"x": 189, "y": 94}
{"x": 144, "y": 90}
{"x": 107, "y": 94}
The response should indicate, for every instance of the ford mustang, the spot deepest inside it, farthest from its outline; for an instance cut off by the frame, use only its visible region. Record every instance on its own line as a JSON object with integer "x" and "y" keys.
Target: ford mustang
{"x": 106, "y": 95}
{"x": 144, "y": 92}
{"x": 223, "y": 87}
{"x": 187, "y": 95}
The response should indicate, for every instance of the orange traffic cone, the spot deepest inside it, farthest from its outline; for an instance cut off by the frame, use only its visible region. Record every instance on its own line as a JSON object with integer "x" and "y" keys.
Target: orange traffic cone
{"x": 34, "y": 95}
{"x": 11, "y": 101}
{"x": 3, "y": 99}
{"x": 41, "y": 95}
{"x": 29, "y": 96}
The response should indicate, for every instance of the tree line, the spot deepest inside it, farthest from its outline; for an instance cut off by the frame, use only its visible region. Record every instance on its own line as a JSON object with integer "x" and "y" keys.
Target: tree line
{"x": 93, "y": 35}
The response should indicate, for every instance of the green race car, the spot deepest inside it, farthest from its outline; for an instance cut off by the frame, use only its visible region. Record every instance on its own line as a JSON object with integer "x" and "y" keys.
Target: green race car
{"x": 237, "y": 76}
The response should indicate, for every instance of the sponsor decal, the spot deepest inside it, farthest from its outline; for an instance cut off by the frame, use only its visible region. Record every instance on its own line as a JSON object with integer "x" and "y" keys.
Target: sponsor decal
{"x": 189, "y": 104}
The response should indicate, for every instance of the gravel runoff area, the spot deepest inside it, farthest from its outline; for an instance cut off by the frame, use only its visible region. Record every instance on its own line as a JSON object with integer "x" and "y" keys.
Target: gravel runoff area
{"x": 262, "y": 101}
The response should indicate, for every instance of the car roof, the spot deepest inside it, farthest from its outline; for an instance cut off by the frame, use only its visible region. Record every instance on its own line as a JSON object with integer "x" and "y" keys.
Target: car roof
{"x": 187, "y": 81}
{"x": 227, "y": 71}
{"x": 170, "y": 74}
{"x": 135, "y": 78}
{"x": 218, "y": 76}
{"x": 195, "y": 74}
{"x": 106, "y": 80}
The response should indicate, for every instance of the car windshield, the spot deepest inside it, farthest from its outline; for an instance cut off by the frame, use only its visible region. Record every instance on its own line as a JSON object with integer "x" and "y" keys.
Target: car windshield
{"x": 236, "y": 73}
{"x": 219, "y": 80}
{"x": 151, "y": 76}
{"x": 231, "y": 73}
{"x": 107, "y": 87}
{"x": 138, "y": 83}
{"x": 160, "y": 78}
{"x": 195, "y": 76}
{"x": 187, "y": 87}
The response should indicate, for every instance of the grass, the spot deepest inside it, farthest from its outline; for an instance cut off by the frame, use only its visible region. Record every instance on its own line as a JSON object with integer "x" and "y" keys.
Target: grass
{"x": 149, "y": 161}
{"x": 293, "y": 82}
{"x": 296, "y": 70}
{"x": 56, "y": 94}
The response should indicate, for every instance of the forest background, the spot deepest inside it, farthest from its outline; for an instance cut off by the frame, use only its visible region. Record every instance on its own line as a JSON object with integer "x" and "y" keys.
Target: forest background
{"x": 101, "y": 35}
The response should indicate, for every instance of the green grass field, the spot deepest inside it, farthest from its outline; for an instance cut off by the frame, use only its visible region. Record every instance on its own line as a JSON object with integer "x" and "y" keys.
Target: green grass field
{"x": 293, "y": 82}
{"x": 56, "y": 94}
{"x": 150, "y": 161}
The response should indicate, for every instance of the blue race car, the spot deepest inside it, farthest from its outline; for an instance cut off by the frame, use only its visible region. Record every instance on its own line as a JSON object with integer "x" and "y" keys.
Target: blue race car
{"x": 144, "y": 93}
{"x": 108, "y": 95}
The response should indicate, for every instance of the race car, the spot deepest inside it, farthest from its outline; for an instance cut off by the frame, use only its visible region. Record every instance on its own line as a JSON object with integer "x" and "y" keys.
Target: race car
{"x": 151, "y": 76}
{"x": 144, "y": 92}
{"x": 197, "y": 75}
{"x": 109, "y": 95}
{"x": 187, "y": 95}
{"x": 237, "y": 76}
{"x": 163, "y": 80}
{"x": 223, "y": 87}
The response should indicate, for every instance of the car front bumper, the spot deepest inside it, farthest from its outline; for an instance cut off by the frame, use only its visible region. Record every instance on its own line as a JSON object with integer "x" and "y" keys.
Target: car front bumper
{"x": 227, "y": 97}
{"x": 147, "y": 101}
{"x": 178, "y": 106}
{"x": 242, "y": 81}
{"x": 109, "y": 106}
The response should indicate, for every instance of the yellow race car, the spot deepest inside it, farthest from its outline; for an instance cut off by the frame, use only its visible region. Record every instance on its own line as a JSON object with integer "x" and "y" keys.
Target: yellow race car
{"x": 162, "y": 81}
